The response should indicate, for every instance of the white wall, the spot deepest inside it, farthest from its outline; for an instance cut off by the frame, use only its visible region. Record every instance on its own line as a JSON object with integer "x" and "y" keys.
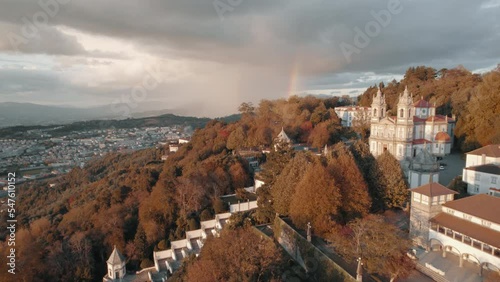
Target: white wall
{"x": 473, "y": 160}
{"x": 418, "y": 179}
{"x": 465, "y": 248}
{"x": 485, "y": 181}
{"x": 243, "y": 206}
{"x": 258, "y": 184}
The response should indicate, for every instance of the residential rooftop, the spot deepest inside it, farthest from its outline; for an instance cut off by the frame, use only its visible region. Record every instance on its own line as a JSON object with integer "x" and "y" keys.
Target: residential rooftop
{"x": 488, "y": 150}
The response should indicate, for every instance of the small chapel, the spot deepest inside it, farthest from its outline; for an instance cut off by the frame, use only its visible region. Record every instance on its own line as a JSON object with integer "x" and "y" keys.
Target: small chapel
{"x": 116, "y": 266}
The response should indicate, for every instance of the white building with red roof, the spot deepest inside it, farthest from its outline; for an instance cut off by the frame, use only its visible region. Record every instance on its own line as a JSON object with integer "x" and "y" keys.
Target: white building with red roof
{"x": 468, "y": 228}
{"x": 415, "y": 126}
{"x": 350, "y": 115}
{"x": 482, "y": 170}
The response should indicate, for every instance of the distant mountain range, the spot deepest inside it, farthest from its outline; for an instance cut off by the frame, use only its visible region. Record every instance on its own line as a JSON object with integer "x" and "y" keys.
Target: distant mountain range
{"x": 28, "y": 114}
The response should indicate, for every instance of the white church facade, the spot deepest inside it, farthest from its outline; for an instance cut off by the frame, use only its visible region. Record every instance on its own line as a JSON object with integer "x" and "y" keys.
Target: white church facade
{"x": 416, "y": 126}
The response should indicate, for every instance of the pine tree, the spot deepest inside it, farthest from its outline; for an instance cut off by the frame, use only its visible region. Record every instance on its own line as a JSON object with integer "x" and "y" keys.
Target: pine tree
{"x": 395, "y": 186}
{"x": 356, "y": 201}
{"x": 317, "y": 200}
{"x": 284, "y": 187}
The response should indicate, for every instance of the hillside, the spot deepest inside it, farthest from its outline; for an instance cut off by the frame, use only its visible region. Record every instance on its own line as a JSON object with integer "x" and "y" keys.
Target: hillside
{"x": 65, "y": 129}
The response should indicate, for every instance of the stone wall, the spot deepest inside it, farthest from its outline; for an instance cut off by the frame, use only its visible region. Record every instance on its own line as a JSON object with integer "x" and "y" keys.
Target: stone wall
{"x": 317, "y": 265}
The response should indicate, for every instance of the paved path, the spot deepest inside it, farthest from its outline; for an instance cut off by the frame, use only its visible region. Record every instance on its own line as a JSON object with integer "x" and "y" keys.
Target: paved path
{"x": 450, "y": 265}
{"x": 455, "y": 163}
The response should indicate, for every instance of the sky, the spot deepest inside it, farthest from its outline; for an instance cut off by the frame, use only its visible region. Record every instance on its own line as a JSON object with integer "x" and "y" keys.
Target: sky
{"x": 209, "y": 56}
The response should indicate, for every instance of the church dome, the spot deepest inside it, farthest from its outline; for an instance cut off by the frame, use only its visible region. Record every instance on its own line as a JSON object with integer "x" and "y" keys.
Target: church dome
{"x": 424, "y": 161}
{"x": 442, "y": 137}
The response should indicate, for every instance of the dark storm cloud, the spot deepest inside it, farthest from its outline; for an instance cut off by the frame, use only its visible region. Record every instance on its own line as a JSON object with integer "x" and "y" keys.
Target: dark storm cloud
{"x": 276, "y": 35}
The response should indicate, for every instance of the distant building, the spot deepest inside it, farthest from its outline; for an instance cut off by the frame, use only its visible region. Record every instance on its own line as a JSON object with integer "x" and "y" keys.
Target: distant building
{"x": 416, "y": 126}
{"x": 350, "y": 115}
{"x": 173, "y": 147}
{"x": 482, "y": 170}
{"x": 283, "y": 137}
{"x": 468, "y": 228}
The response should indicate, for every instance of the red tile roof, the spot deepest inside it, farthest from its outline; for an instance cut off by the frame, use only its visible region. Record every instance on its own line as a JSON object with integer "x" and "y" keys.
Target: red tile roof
{"x": 486, "y": 168}
{"x": 443, "y": 137}
{"x": 422, "y": 104}
{"x": 483, "y": 206}
{"x": 421, "y": 141}
{"x": 439, "y": 118}
{"x": 417, "y": 119}
{"x": 489, "y": 150}
{"x": 433, "y": 189}
{"x": 476, "y": 231}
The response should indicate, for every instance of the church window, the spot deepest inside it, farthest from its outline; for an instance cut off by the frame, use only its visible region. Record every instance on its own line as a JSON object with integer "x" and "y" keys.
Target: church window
{"x": 374, "y": 112}
{"x": 401, "y": 113}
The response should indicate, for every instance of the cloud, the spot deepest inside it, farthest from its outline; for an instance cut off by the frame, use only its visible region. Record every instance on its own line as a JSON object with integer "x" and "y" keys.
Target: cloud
{"x": 100, "y": 48}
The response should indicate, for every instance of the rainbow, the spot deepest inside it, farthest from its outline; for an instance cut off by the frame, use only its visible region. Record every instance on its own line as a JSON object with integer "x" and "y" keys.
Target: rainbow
{"x": 293, "y": 81}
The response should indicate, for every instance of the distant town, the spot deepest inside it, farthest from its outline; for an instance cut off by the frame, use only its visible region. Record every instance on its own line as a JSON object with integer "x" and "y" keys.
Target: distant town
{"x": 37, "y": 154}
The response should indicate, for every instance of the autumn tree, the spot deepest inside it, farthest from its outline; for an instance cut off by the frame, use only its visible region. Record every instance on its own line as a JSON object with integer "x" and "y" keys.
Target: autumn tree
{"x": 238, "y": 255}
{"x": 283, "y": 189}
{"x": 246, "y": 108}
{"x": 356, "y": 201}
{"x": 276, "y": 162}
{"x": 237, "y": 138}
{"x": 395, "y": 186}
{"x": 371, "y": 173}
{"x": 317, "y": 199}
{"x": 380, "y": 246}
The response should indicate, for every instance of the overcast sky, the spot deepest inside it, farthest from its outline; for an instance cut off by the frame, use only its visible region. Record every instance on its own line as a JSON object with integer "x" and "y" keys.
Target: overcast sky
{"x": 210, "y": 56}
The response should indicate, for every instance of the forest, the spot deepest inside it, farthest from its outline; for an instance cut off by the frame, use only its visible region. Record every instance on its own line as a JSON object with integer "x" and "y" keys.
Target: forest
{"x": 140, "y": 204}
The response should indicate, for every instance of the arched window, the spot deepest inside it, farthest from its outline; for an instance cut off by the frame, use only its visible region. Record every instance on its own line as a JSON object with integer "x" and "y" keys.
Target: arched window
{"x": 374, "y": 112}
{"x": 409, "y": 112}
{"x": 401, "y": 113}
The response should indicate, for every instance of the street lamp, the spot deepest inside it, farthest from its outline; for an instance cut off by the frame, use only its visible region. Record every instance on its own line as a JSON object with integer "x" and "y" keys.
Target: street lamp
{"x": 359, "y": 270}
